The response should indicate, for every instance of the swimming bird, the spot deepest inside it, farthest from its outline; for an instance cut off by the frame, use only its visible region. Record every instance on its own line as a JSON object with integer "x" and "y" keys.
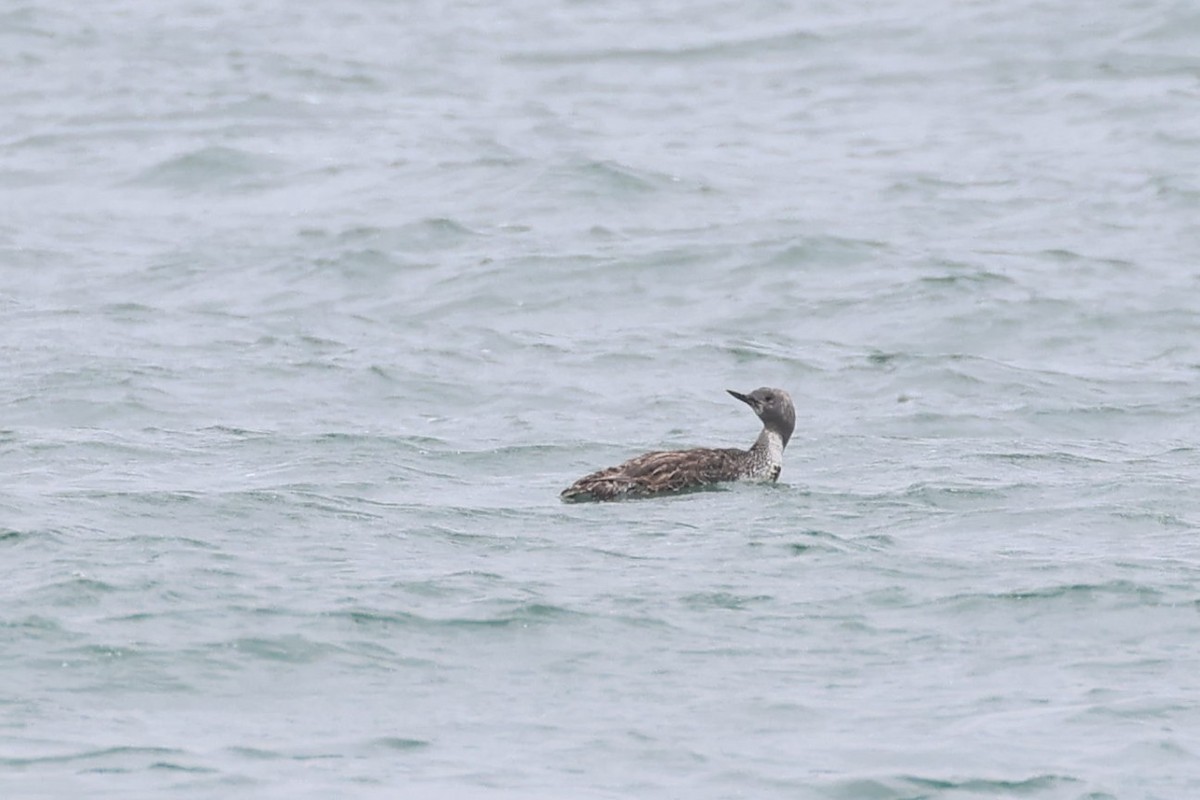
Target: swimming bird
{"x": 678, "y": 470}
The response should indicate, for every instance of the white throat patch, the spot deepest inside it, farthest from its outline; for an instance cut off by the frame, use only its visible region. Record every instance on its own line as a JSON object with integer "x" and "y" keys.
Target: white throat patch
{"x": 774, "y": 449}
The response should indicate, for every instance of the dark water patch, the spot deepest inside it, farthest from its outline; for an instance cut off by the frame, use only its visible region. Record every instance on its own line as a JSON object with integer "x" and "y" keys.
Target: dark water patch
{"x": 523, "y": 614}
{"x": 1002, "y": 788}
{"x": 951, "y": 497}
{"x": 1036, "y": 459}
{"x": 608, "y": 182}
{"x": 321, "y": 343}
{"x": 810, "y": 541}
{"x": 777, "y": 351}
{"x": 608, "y": 552}
{"x": 1125, "y": 593}
{"x": 878, "y": 358}
{"x": 809, "y": 548}
{"x": 137, "y": 666}
{"x": 868, "y": 789}
{"x": 39, "y": 628}
{"x": 874, "y": 542}
{"x": 262, "y": 611}
{"x": 396, "y": 743}
{"x": 1066, "y": 256}
{"x": 102, "y": 442}
{"x": 215, "y": 167}
{"x": 389, "y": 660}
{"x": 141, "y": 616}
{"x": 339, "y": 507}
{"x": 76, "y": 591}
{"x": 120, "y": 753}
{"x": 317, "y": 756}
{"x": 1156, "y": 749}
{"x": 382, "y": 744}
{"x": 1141, "y": 711}
{"x": 427, "y": 235}
{"x": 171, "y": 766}
{"x": 885, "y": 597}
{"x": 290, "y": 649}
{"x": 551, "y": 344}
{"x": 130, "y": 311}
{"x": 902, "y": 787}
{"x": 255, "y": 753}
{"x": 517, "y": 614}
{"x": 367, "y": 267}
{"x": 235, "y": 432}
{"x": 374, "y": 619}
{"x": 726, "y": 600}
{"x": 303, "y": 442}
{"x": 826, "y": 251}
{"x": 254, "y": 107}
{"x": 342, "y": 77}
{"x": 1109, "y": 411}
{"x": 152, "y": 499}
{"x": 23, "y": 20}
{"x": 970, "y": 281}
{"x": 747, "y": 47}
{"x": 537, "y": 452}
{"x": 448, "y": 585}
{"x": 618, "y": 177}
{"x": 1117, "y": 588}
{"x": 454, "y": 536}
{"x": 1163, "y": 519}
{"x": 158, "y": 542}
{"x": 621, "y": 358}
{"x": 288, "y": 503}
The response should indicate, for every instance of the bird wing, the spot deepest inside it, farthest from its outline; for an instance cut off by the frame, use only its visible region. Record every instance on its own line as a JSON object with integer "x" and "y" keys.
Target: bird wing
{"x": 657, "y": 472}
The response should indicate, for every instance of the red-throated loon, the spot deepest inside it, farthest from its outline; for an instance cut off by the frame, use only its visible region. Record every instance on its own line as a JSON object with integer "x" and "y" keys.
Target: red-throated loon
{"x": 679, "y": 470}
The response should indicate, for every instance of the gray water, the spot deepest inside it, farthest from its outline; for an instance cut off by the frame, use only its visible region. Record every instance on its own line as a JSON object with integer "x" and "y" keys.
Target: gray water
{"x": 310, "y": 310}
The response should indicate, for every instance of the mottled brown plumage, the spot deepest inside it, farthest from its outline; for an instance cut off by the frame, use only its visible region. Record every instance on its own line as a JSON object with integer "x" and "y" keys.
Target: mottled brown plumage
{"x": 664, "y": 472}
{"x": 653, "y": 473}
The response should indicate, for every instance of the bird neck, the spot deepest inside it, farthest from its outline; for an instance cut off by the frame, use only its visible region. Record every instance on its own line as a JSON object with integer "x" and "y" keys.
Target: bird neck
{"x": 770, "y": 442}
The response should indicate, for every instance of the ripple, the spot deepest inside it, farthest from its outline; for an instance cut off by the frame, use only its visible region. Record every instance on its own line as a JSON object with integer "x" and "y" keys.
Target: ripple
{"x": 212, "y": 168}
{"x": 758, "y": 46}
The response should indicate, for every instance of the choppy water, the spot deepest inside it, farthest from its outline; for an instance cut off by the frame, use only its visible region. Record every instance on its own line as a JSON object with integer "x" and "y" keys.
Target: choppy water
{"x": 310, "y": 310}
